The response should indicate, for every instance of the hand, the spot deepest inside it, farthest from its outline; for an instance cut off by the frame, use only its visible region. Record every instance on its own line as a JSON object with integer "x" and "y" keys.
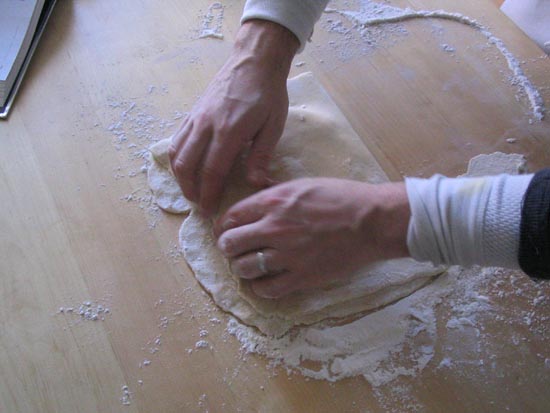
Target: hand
{"x": 245, "y": 106}
{"x": 312, "y": 232}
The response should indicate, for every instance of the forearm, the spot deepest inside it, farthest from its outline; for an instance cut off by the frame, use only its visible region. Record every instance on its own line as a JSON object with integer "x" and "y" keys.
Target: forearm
{"x": 385, "y": 219}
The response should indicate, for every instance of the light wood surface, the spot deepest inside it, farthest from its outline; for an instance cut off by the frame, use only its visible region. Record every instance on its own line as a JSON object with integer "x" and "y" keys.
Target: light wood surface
{"x": 76, "y": 226}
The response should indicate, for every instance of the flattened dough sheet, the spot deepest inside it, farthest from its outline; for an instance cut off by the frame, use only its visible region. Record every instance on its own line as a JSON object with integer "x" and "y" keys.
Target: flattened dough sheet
{"x": 317, "y": 141}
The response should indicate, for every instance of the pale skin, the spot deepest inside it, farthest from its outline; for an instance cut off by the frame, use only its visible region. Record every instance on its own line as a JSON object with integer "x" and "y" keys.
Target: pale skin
{"x": 245, "y": 105}
{"x": 311, "y": 231}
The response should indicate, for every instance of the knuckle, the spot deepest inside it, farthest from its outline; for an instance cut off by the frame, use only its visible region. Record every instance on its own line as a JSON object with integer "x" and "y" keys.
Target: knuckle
{"x": 272, "y": 199}
{"x": 182, "y": 168}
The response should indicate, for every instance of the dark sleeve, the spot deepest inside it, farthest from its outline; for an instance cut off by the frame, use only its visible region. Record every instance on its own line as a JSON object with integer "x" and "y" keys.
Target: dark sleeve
{"x": 534, "y": 244}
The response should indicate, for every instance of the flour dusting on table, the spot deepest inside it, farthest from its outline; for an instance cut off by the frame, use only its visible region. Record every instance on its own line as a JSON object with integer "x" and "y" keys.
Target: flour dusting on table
{"x": 369, "y": 346}
{"x": 211, "y": 25}
{"x": 371, "y": 14}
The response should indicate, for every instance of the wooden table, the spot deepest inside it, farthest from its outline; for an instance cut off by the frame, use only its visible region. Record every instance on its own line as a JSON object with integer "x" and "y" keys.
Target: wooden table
{"x": 77, "y": 223}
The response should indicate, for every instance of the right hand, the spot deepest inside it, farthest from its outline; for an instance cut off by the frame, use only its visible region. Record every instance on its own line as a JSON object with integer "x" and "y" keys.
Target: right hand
{"x": 245, "y": 105}
{"x": 313, "y": 231}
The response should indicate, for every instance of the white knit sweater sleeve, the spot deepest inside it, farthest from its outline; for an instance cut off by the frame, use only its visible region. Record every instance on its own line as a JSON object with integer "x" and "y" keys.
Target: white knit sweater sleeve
{"x": 298, "y": 16}
{"x": 466, "y": 221}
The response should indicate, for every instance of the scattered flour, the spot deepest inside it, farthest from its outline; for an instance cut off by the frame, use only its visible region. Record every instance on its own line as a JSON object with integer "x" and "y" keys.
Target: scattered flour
{"x": 135, "y": 126}
{"x": 461, "y": 324}
{"x": 370, "y": 346}
{"x": 211, "y": 25}
{"x": 374, "y": 14}
{"x": 447, "y": 48}
{"x": 87, "y": 311}
{"x": 202, "y": 400}
{"x": 446, "y": 362}
{"x": 202, "y": 344}
{"x": 126, "y": 396}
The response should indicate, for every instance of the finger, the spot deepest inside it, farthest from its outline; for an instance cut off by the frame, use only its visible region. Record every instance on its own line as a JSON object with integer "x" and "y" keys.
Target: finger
{"x": 244, "y": 212}
{"x": 275, "y": 286}
{"x": 220, "y": 157}
{"x": 176, "y": 149}
{"x": 181, "y": 132}
{"x": 187, "y": 160}
{"x": 261, "y": 153}
{"x": 244, "y": 239}
{"x": 249, "y": 266}
{"x": 178, "y": 138}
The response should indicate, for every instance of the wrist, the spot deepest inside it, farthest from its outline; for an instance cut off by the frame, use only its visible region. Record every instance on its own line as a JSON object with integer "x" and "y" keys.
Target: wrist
{"x": 268, "y": 44}
{"x": 387, "y": 219}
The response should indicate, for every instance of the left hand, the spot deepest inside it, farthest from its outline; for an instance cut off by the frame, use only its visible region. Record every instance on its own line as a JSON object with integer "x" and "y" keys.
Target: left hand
{"x": 244, "y": 107}
{"x": 312, "y": 232}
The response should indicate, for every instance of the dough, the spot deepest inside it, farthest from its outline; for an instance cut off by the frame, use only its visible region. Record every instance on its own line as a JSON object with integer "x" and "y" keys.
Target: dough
{"x": 317, "y": 141}
{"x": 161, "y": 180}
{"x": 497, "y": 163}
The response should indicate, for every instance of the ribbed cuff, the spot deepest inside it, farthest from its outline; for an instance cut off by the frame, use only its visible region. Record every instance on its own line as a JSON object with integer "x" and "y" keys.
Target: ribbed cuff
{"x": 466, "y": 221}
{"x": 297, "y": 16}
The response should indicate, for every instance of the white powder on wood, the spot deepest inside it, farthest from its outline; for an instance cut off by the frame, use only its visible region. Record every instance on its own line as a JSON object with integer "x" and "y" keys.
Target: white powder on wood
{"x": 126, "y": 396}
{"x": 447, "y": 48}
{"x": 87, "y": 311}
{"x": 202, "y": 344}
{"x": 366, "y": 346}
{"x": 373, "y": 14}
{"x": 211, "y": 25}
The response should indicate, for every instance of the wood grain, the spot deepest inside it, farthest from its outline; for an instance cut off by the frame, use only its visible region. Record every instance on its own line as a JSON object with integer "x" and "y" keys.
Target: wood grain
{"x": 75, "y": 227}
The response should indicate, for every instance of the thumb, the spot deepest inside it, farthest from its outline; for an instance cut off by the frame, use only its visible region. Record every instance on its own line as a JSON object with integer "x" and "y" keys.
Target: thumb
{"x": 261, "y": 153}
